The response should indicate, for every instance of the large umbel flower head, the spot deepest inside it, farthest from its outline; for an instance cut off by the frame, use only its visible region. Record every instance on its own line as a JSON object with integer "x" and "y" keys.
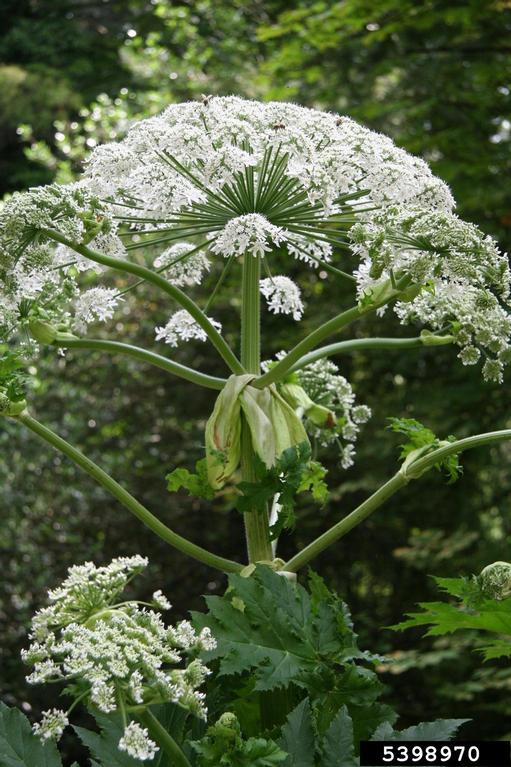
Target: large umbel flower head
{"x": 115, "y": 657}
{"x": 232, "y": 179}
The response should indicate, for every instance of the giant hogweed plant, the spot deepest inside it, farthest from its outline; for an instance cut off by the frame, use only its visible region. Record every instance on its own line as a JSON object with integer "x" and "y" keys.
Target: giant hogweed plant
{"x": 210, "y": 189}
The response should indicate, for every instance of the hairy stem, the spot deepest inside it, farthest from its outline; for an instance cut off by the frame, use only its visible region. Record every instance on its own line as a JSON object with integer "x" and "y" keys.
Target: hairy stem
{"x": 156, "y": 279}
{"x": 131, "y": 503}
{"x": 163, "y": 738}
{"x": 115, "y": 347}
{"x": 414, "y": 471}
{"x": 257, "y": 527}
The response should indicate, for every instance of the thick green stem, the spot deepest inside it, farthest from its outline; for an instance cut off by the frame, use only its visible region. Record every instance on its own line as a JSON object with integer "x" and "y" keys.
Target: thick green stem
{"x": 156, "y": 279}
{"x": 257, "y": 527}
{"x": 115, "y": 347}
{"x": 413, "y": 471}
{"x": 163, "y": 738}
{"x": 340, "y": 321}
{"x": 358, "y": 344}
{"x": 131, "y": 503}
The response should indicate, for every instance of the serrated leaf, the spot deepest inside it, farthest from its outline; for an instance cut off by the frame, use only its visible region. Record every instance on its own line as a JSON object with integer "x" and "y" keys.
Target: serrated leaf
{"x": 196, "y": 484}
{"x": 279, "y": 636}
{"x": 337, "y": 747}
{"x": 441, "y": 729}
{"x": 19, "y": 747}
{"x": 298, "y": 737}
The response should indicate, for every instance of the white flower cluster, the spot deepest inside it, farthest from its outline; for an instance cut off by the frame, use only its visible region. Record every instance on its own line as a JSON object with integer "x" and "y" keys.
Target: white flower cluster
{"x": 34, "y": 268}
{"x": 282, "y": 295}
{"x": 324, "y": 385}
{"x": 465, "y": 278}
{"x": 181, "y": 265}
{"x": 117, "y": 656}
{"x": 182, "y": 327}
{"x": 237, "y": 178}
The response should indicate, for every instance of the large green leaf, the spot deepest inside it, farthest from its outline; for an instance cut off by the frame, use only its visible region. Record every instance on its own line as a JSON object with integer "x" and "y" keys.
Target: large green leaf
{"x": 19, "y": 747}
{"x": 273, "y": 629}
{"x": 298, "y": 737}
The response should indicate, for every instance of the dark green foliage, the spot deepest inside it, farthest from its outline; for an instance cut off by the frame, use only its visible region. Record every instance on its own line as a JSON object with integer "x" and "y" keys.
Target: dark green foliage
{"x": 276, "y": 631}
{"x": 293, "y": 473}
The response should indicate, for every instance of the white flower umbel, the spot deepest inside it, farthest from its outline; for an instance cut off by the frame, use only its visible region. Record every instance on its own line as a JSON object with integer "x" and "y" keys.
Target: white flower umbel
{"x": 182, "y": 327}
{"x": 282, "y": 296}
{"x": 118, "y": 656}
{"x": 95, "y": 304}
{"x": 179, "y": 267}
{"x": 324, "y": 385}
{"x": 52, "y": 725}
{"x": 137, "y": 743}
{"x": 251, "y": 233}
{"x": 238, "y": 178}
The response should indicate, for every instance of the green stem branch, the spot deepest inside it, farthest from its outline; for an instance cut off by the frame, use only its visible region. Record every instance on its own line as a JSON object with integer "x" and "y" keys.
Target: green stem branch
{"x": 358, "y": 344}
{"x": 142, "y": 355}
{"x": 340, "y": 321}
{"x": 127, "y": 500}
{"x": 156, "y": 279}
{"x": 163, "y": 738}
{"x": 414, "y": 471}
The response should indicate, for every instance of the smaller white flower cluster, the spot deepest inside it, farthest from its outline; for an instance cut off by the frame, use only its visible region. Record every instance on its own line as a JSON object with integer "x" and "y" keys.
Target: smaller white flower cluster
{"x": 95, "y": 304}
{"x": 182, "y": 327}
{"x": 117, "y": 656}
{"x": 34, "y": 268}
{"x": 249, "y": 233}
{"x": 324, "y": 385}
{"x": 180, "y": 268}
{"x": 464, "y": 277}
{"x": 282, "y": 296}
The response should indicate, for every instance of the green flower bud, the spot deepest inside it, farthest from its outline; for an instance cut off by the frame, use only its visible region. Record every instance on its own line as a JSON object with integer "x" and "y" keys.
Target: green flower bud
{"x": 11, "y": 408}
{"x": 299, "y": 400}
{"x": 43, "y": 332}
{"x": 495, "y": 580}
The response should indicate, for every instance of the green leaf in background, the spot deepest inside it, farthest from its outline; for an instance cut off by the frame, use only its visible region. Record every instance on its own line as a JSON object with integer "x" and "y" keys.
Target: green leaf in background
{"x": 19, "y": 747}
{"x": 104, "y": 746}
{"x": 442, "y": 729}
{"x": 472, "y": 610}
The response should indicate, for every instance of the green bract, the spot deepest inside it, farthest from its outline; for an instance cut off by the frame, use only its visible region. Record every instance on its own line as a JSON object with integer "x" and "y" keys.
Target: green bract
{"x": 273, "y": 424}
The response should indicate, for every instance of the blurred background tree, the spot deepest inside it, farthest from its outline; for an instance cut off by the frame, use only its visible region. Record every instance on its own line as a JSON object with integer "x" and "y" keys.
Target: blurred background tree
{"x": 436, "y": 76}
